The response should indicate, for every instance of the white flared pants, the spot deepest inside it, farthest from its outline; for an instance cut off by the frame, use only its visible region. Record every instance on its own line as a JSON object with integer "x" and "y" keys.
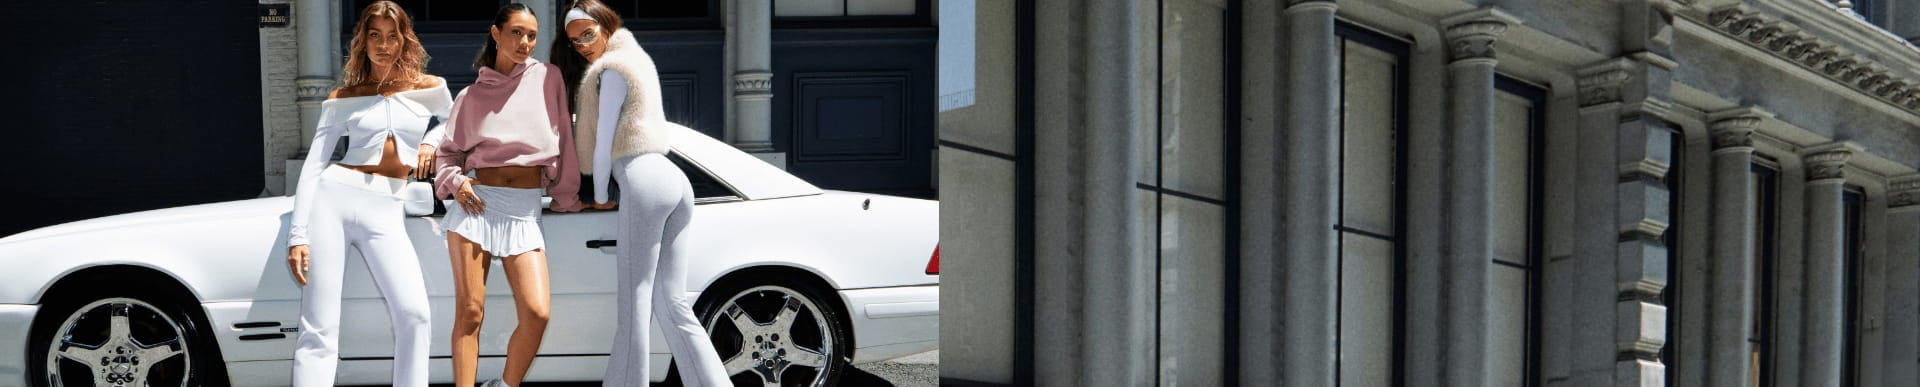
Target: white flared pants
{"x": 362, "y": 211}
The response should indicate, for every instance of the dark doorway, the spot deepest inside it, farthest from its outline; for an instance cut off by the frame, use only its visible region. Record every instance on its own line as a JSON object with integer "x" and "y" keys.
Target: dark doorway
{"x": 130, "y": 105}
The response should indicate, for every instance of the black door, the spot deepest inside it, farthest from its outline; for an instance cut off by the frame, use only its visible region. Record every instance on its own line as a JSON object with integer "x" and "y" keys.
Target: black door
{"x": 129, "y": 105}
{"x": 854, "y": 108}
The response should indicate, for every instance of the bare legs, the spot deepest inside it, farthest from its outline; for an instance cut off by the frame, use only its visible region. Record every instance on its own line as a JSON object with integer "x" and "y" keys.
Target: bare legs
{"x": 527, "y": 276}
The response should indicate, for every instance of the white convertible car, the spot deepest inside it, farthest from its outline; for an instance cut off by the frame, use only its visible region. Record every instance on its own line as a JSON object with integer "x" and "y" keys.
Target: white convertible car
{"x": 201, "y": 295}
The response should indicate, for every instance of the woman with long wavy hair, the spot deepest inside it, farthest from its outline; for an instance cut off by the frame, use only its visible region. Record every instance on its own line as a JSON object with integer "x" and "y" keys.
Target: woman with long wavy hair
{"x": 624, "y": 125}
{"x": 511, "y": 129}
{"x": 384, "y": 108}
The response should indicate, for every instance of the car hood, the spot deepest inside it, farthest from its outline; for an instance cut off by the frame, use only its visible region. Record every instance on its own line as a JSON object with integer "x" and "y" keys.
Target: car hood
{"x": 232, "y": 209}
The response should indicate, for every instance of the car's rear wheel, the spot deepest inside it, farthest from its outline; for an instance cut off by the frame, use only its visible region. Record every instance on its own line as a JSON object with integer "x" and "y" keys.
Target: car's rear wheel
{"x": 121, "y": 340}
{"x": 780, "y": 334}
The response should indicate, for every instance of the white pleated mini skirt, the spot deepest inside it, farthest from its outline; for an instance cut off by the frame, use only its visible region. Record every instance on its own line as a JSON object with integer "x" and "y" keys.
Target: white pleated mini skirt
{"x": 508, "y": 226}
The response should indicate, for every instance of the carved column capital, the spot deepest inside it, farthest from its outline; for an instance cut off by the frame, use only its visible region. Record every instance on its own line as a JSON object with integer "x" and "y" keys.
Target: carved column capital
{"x": 312, "y": 89}
{"x": 752, "y": 85}
{"x": 1827, "y": 163}
{"x": 1904, "y": 193}
{"x": 1732, "y": 129}
{"x": 1292, "y": 3}
{"x": 1471, "y": 35}
{"x": 1601, "y": 84}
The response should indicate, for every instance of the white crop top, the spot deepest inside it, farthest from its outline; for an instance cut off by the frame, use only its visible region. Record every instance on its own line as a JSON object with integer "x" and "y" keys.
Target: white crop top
{"x": 367, "y": 122}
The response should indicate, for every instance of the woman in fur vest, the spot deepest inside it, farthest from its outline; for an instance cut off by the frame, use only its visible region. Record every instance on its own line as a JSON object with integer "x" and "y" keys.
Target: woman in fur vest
{"x": 622, "y": 131}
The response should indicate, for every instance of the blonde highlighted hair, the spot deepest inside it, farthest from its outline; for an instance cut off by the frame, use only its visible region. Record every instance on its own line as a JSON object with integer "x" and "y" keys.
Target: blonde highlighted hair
{"x": 413, "y": 57}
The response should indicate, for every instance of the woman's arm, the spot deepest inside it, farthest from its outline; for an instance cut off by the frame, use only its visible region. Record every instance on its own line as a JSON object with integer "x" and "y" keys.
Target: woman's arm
{"x": 430, "y": 141}
{"x": 562, "y": 184}
{"x": 325, "y": 136}
{"x": 451, "y": 157}
{"x": 613, "y": 94}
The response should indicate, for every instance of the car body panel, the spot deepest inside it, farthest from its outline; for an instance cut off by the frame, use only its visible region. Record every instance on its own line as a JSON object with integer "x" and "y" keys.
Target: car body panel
{"x": 231, "y": 256}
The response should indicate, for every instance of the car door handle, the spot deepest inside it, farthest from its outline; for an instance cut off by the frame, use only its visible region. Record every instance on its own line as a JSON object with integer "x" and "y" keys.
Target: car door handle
{"x": 599, "y": 243}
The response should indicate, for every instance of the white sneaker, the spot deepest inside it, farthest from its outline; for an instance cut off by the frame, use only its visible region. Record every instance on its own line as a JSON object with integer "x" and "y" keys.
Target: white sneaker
{"x": 495, "y": 383}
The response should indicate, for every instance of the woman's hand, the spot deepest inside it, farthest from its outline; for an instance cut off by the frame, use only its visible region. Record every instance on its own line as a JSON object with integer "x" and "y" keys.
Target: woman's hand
{"x": 297, "y": 262}
{"x": 424, "y": 167}
{"x": 468, "y": 200}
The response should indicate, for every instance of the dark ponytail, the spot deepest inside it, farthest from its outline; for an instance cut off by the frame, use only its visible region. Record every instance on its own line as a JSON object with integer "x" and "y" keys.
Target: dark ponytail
{"x": 488, "y": 51}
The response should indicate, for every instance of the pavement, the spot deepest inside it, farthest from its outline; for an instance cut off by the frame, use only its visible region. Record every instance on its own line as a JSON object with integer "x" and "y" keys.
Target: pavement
{"x": 912, "y": 371}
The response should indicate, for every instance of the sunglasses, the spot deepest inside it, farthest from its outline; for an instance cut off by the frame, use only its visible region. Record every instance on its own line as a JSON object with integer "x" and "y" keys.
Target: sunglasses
{"x": 587, "y": 38}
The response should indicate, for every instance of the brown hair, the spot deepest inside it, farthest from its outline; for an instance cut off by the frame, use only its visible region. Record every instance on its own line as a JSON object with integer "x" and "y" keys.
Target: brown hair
{"x": 413, "y": 57}
{"x": 572, "y": 65}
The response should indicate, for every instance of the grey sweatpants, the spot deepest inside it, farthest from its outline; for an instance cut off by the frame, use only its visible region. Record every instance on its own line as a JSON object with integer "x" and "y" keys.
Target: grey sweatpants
{"x": 656, "y": 204}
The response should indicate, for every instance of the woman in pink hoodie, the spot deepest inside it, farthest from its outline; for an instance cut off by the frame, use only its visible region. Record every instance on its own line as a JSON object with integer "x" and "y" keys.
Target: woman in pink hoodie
{"x": 510, "y": 137}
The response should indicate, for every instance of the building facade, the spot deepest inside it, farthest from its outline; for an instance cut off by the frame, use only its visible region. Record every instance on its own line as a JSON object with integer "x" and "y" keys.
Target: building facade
{"x": 839, "y": 92}
{"x": 1434, "y": 193}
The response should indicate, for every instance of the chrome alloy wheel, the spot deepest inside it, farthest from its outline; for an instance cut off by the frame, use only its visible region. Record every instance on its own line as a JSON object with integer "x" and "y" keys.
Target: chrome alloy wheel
{"x": 119, "y": 342}
{"x": 777, "y": 334}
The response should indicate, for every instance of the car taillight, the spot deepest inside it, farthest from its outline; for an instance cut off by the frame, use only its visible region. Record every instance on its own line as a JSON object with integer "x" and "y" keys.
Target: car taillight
{"x": 933, "y": 265}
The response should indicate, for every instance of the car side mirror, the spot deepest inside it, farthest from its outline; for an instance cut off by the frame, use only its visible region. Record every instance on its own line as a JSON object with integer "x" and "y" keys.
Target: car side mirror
{"x": 417, "y": 198}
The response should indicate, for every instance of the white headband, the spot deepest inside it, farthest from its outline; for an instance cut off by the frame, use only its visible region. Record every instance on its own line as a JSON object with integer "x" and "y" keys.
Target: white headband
{"x": 577, "y": 14}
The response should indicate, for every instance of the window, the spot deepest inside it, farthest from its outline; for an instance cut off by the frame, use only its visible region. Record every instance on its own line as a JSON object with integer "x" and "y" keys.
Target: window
{"x": 1187, "y": 191}
{"x": 1766, "y": 214}
{"x": 1519, "y": 120}
{"x": 705, "y": 187}
{"x": 815, "y": 8}
{"x": 665, "y": 14}
{"x": 1670, "y": 295}
{"x": 433, "y": 10}
{"x": 1373, "y": 84}
{"x": 852, "y": 13}
{"x": 1853, "y": 260}
{"x": 658, "y": 9}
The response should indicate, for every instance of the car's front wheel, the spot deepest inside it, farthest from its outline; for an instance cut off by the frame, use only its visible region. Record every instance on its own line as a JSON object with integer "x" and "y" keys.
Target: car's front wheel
{"x": 120, "y": 340}
{"x": 783, "y": 334}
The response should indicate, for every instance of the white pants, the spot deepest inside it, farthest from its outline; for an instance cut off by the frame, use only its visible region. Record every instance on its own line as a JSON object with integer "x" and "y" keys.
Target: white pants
{"x": 656, "y": 204}
{"x": 360, "y": 214}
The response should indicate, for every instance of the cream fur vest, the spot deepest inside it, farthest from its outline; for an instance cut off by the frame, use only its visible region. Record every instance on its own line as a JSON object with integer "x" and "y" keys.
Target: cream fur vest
{"x": 642, "y": 127}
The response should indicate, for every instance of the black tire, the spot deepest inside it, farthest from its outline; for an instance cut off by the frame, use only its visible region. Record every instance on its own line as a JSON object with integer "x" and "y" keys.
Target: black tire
{"x": 730, "y": 342}
{"x": 152, "y": 314}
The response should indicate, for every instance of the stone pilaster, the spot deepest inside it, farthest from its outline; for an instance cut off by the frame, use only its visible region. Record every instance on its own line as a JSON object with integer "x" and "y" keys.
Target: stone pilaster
{"x": 751, "y": 35}
{"x": 1309, "y": 250}
{"x": 1903, "y": 296}
{"x": 1470, "y": 40}
{"x": 315, "y": 21}
{"x": 1096, "y": 104}
{"x": 1825, "y": 310}
{"x": 1730, "y": 313}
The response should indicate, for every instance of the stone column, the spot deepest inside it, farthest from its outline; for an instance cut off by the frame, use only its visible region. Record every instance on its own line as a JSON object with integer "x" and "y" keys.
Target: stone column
{"x": 314, "y": 24}
{"x": 1730, "y": 312}
{"x": 1264, "y": 70}
{"x": 1825, "y": 306}
{"x": 752, "y": 129}
{"x": 1094, "y": 321}
{"x": 1309, "y": 254}
{"x": 1469, "y": 190}
{"x": 548, "y": 15}
{"x": 1903, "y": 284}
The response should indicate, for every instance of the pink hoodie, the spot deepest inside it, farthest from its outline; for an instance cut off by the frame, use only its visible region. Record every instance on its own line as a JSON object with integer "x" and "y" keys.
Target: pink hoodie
{"x": 517, "y": 119}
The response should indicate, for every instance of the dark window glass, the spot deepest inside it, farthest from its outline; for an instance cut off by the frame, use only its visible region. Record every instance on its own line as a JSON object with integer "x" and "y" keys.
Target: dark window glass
{"x": 667, "y": 9}
{"x": 437, "y": 10}
{"x": 1853, "y": 261}
{"x": 1766, "y": 214}
{"x": 704, "y": 185}
{"x": 1670, "y": 295}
